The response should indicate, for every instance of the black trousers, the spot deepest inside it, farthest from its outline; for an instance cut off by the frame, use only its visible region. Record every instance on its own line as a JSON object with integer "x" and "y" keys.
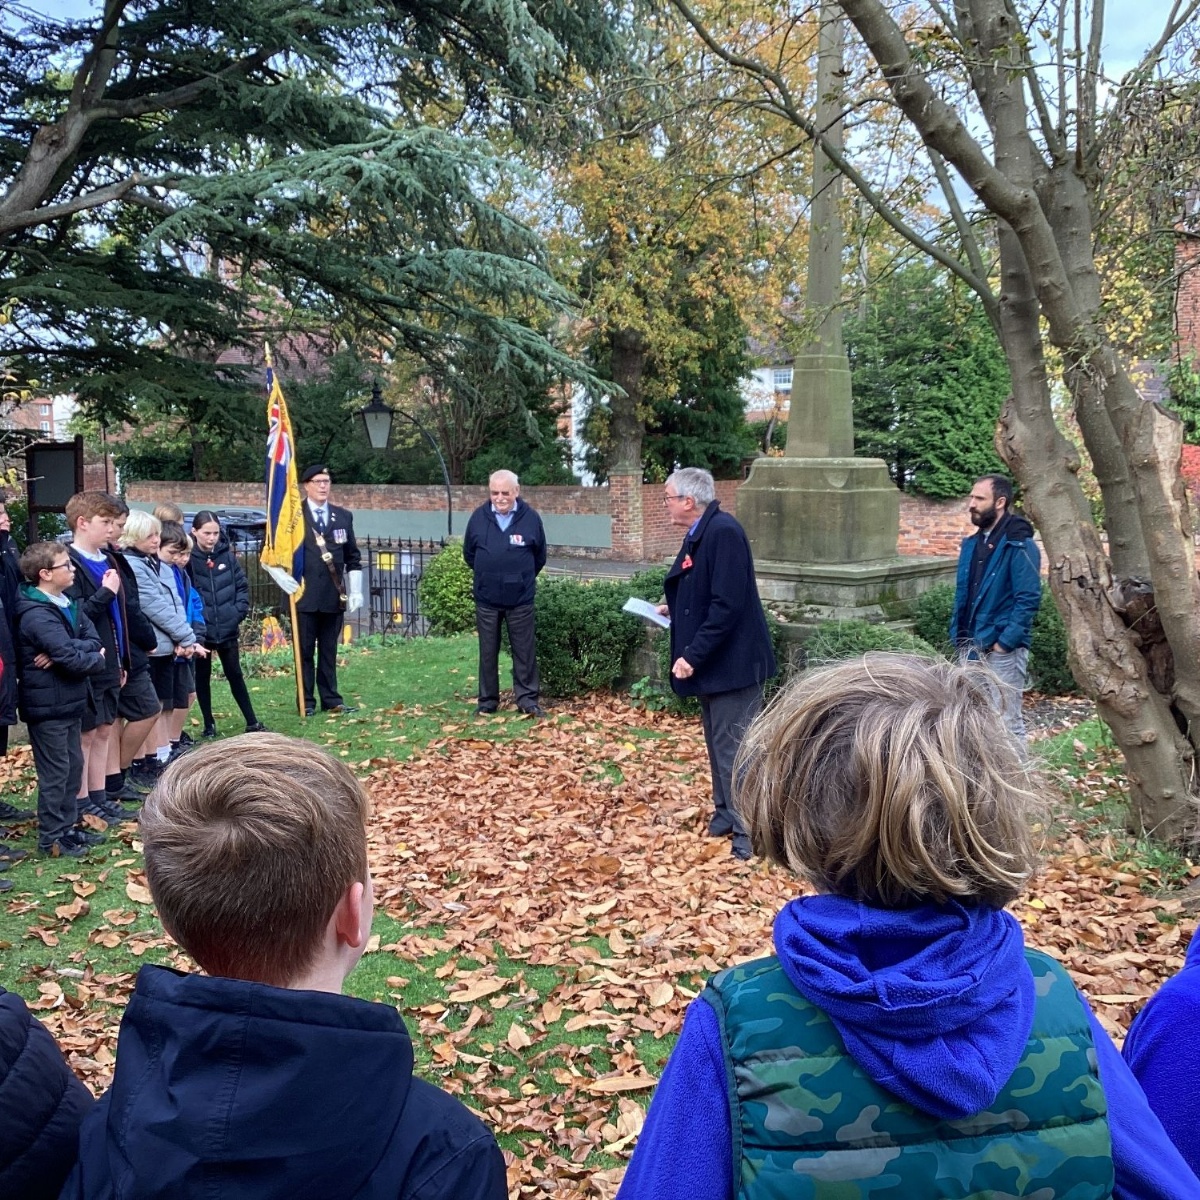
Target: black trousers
{"x": 320, "y": 632}
{"x": 231, "y": 664}
{"x": 524, "y": 657}
{"x": 58, "y": 758}
{"x": 726, "y": 717}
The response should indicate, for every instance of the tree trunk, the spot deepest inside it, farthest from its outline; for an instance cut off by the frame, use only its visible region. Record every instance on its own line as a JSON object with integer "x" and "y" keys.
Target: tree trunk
{"x": 628, "y": 425}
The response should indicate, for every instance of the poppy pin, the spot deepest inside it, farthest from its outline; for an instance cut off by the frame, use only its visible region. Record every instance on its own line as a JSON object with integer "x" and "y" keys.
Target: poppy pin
{"x": 686, "y": 565}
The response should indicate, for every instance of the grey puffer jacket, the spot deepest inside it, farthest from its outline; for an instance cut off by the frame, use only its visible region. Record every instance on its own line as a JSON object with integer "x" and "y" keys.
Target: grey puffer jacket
{"x": 161, "y": 603}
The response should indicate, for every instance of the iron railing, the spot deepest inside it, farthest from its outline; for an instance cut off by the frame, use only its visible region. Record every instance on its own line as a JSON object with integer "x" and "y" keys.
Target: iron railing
{"x": 392, "y": 568}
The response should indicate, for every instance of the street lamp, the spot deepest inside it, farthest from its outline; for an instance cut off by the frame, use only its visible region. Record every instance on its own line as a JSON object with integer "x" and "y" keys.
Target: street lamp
{"x": 377, "y": 419}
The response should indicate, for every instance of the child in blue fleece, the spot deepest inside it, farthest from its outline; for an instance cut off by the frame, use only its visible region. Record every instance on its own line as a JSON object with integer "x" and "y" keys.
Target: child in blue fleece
{"x": 1162, "y": 1050}
{"x": 901, "y": 1042}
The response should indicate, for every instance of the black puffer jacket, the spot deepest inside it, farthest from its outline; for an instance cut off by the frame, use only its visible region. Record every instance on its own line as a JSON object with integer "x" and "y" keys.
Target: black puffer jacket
{"x": 41, "y": 1106}
{"x": 221, "y": 583}
{"x": 71, "y": 641}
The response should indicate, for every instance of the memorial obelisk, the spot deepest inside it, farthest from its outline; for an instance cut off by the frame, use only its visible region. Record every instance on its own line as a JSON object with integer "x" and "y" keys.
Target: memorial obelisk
{"x": 823, "y": 524}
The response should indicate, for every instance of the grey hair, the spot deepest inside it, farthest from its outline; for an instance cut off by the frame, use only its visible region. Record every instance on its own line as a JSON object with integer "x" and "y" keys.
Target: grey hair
{"x": 695, "y": 482}
{"x": 139, "y": 525}
{"x": 507, "y": 476}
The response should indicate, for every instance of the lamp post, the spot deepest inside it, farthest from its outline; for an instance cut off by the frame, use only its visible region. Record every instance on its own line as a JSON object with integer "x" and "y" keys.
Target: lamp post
{"x": 377, "y": 419}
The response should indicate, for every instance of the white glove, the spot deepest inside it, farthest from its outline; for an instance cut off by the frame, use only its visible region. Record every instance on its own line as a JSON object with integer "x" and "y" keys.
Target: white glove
{"x": 281, "y": 577}
{"x": 355, "y": 598}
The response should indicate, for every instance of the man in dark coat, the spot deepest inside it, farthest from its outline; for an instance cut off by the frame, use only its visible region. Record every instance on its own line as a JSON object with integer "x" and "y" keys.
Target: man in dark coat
{"x": 720, "y": 644}
{"x": 505, "y": 547}
{"x": 41, "y": 1106}
{"x": 332, "y": 588}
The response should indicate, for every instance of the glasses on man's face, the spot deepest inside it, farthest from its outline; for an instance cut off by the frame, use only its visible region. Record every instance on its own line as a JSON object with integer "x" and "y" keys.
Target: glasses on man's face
{"x": 68, "y": 565}
{"x": 667, "y": 497}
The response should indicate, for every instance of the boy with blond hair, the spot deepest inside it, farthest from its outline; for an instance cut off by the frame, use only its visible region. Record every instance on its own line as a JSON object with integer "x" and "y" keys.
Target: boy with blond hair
{"x": 260, "y": 1078}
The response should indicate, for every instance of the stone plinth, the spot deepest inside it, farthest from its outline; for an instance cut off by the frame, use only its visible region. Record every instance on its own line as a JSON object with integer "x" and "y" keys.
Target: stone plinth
{"x": 815, "y": 511}
{"x": 876, "y": 591}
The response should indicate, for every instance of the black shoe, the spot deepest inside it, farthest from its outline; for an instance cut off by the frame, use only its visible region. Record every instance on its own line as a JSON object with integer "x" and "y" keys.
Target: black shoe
{"x": 142, "y": 776}
{"x": 257, "y": 727}
{"x": 341, "y": 710}
{"x": 6, "y": 885}
{"x": 484, "y": 710}
{"x": 65, "y": 847}
{"x": 535, "y": 710}
{"x": 185, "y": 739}
{"x": 210, "y": 731}
{"x": 10, "y": 854}
{"x": 741, "y": 848}
{"x": 85, "y": 837}
{"x": 128, "y": 794}
{"x": 310, "y": 710}
{"x": 9, "y": 813}
{"x": 104, "y": 809}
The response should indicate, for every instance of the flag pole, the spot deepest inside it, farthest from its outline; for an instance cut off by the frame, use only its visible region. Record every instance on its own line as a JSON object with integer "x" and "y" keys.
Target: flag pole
{"x": 296, "y": 658}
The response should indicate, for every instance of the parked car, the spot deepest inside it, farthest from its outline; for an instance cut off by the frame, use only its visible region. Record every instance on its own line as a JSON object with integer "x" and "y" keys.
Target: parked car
{"x": 244, "y": 527}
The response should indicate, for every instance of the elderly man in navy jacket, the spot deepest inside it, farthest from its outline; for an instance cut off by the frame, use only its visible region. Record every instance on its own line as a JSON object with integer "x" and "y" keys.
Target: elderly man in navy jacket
{"x": 720, "y": 644}
{"x": 505, "y": 547}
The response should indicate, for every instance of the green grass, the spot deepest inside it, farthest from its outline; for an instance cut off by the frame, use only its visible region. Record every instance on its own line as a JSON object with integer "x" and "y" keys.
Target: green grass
{"x": 411, "y": 692}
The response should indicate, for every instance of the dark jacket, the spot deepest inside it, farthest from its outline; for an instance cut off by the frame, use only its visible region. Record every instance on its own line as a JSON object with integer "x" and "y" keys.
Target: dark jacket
{"x": 71, "y": 641}
{"x": 717, "y": 619}
{"x": 41, "y": 1106}
{"x": 508, "y": 561}
{"x": 142, "y": 638}
{"x": 95, "y": 601}
{"x": 10, "y": 581}
{"x": 248, "y": 1092}
{"x": 1009, "y": 591}
{"x": 221, "y": 583}
{"x": 320, "y": 593}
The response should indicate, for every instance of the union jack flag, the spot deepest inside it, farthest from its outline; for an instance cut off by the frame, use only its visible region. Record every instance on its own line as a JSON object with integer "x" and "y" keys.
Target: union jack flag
{"x": 283, "y": 545}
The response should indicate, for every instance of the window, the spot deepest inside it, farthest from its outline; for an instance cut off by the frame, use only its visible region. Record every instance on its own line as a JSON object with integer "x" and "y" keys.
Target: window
{"x": 782, "y": 378}
{"x": 45, "y": 426}
{"x": 45, "y": 410}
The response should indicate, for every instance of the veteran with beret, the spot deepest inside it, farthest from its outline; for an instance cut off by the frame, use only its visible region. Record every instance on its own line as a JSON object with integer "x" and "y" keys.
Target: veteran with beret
{"x": 332, "y": 589}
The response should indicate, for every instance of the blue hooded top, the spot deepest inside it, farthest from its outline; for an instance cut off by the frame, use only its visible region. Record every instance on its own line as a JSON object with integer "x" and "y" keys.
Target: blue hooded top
{"x": 934, "y": 1002}
{"x": 1163, "y": 1051}
{"x": 249, "y": 1092}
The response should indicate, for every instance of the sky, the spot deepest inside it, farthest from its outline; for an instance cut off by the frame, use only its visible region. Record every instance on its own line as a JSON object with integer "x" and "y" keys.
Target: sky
{"x": 1129, "y": 24}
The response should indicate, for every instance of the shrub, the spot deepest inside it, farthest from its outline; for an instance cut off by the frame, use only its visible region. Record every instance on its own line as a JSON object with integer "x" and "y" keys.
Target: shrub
{"x": 444, "y": 592}
{"x": 648, "y": 585}
{"x": 1048, "y": 669}
{"x": 835, "y": 640}
{"x": 931, "y": 616}
{"x": 583, "y": 637}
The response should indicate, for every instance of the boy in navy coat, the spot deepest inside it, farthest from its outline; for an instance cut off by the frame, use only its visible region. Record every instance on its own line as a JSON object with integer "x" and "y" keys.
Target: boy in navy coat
{"x": 260, "y": 1080}
{"x": 59, "y": 650}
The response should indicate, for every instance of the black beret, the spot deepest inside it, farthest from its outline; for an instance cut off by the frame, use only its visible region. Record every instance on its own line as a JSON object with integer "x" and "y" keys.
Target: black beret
{"x": 313, "y": 471}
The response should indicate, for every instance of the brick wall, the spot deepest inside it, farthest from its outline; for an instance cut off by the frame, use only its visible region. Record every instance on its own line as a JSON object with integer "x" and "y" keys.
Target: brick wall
{"x": 1187, "y": 297}
{"x": 375, "y": 497}
{"x": 661, "y": 539}
{"x": 641, "y": 531}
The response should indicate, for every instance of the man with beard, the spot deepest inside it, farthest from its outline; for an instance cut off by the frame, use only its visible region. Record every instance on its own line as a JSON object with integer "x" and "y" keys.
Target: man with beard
{"x": 997, "y": 593}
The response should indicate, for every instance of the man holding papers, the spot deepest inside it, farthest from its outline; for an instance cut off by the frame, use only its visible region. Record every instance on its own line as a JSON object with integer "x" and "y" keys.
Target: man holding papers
{"x": 720, "y": 644}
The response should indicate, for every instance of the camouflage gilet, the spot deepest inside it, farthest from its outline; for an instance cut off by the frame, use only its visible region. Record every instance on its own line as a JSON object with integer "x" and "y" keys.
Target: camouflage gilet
{"x": 808, "y": 1123}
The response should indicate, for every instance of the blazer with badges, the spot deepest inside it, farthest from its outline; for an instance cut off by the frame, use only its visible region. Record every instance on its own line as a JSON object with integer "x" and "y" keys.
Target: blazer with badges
{"x": 320, "y": 594}
{"x": 506, "y": 562}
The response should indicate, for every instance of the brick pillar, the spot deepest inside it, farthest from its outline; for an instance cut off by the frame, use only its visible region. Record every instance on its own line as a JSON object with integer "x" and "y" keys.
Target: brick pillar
{"x": 625, "y": 508}
{"x": 1187, "y": 297}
